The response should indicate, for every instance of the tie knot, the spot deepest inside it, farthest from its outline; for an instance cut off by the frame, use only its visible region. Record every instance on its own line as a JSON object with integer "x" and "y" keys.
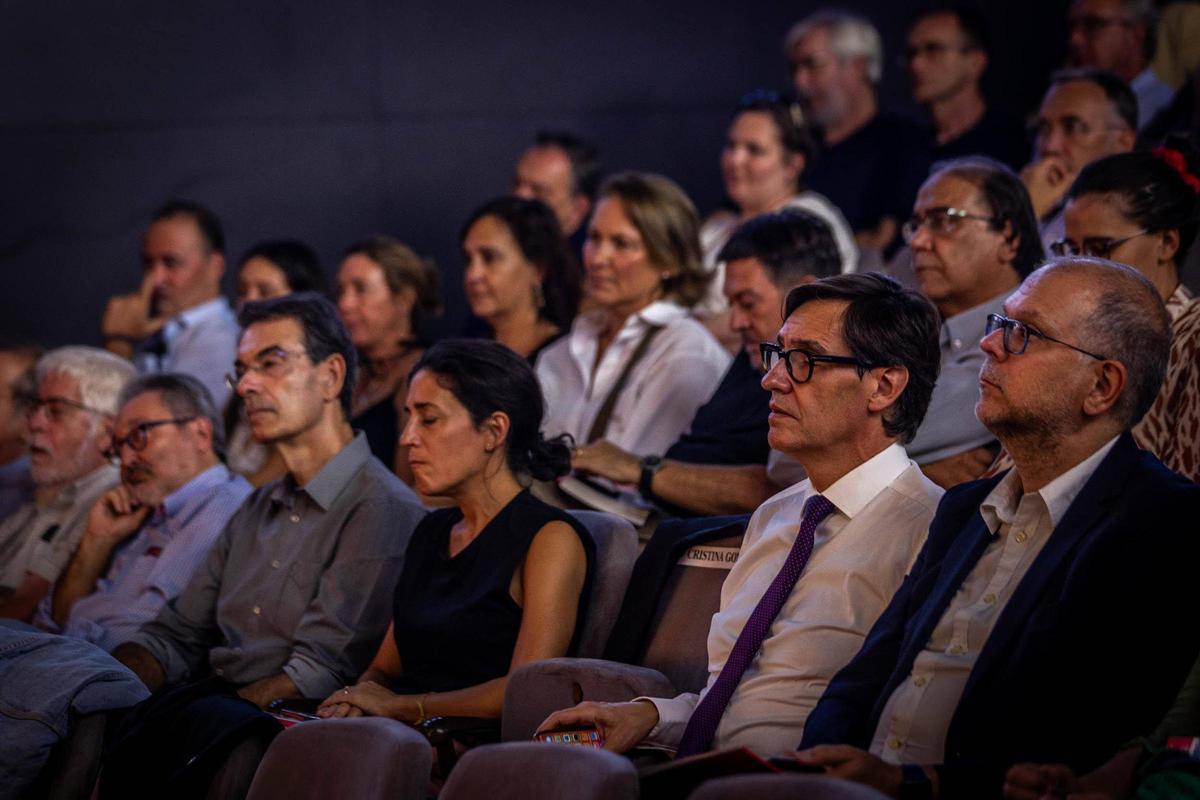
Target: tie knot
{"x": 817, "y": 508}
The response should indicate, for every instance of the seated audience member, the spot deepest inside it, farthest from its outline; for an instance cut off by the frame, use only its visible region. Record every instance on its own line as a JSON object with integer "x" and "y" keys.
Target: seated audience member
{"x": 1118, "y": 36}
{"x": 946, "y": 55}
{"x": 719, "y": 465}
{"x": 292, "y": 599}
{"x": 520, "y": 277}
{"x": 1085, "y": 115}
{"x": 563, "y": 171}
{"x": 1142, "y": 209}
{"x": 849, "y": 378}
{"x": 178, "y": 321}
{"x": 636, "y": 366}
{"x": 269, "y": 269}
{"x": 871, "y": 161}
{"x": 767, "y": 149}
{"x": 70, "y": 426}
{"x": 973, "y": 237}
{"x": 384, "y": 292}
{"x": 1040, "y": 595}
{"x": 496, "y": 581}
{"x": 145, "y": 538}
{"x": 16, "y": 391}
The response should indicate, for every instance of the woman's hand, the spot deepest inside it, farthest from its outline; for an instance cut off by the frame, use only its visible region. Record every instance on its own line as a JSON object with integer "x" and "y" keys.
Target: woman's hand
{"x": 370, "y": 699}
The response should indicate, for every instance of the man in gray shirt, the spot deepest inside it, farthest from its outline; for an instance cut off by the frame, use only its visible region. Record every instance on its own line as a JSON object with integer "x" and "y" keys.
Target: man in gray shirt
{"x": 974, "y": 237}
{"x": 295, "y": 595}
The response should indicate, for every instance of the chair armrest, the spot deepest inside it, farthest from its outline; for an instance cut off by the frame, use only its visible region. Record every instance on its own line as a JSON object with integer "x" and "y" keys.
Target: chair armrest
{"x": 537, "y": 689}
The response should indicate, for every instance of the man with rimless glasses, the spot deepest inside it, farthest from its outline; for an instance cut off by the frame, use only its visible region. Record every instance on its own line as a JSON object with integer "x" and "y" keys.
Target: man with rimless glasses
{"x": 1048, "y": 618}
{"x": 70, "y": 425}
{"x": 973, "y": 238}
{"x": 145, "y": 538}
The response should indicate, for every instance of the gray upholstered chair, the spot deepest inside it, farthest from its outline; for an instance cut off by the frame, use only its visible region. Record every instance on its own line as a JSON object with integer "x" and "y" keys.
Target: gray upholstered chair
{"x": 616, "y": 550}
{"x": 519, "y": 770}
{"x": 784, "y": 787}
{"x": 363, "y": 758}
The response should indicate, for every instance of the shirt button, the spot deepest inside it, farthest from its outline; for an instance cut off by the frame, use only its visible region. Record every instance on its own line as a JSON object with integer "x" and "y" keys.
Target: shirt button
{"x": 919, "y": 682}
{"x": 958, "y": 344}
{"x": 989, "y": 598}
{"x": 275, "y": 563}
{"x": 258, "y": 609}
{"x": 955, "y": 650}
{"x": 1021, "y": 537}
{"x": 894, "y": 743}
{"x": 295, "y": 517}
{"x": 219, "y": 671}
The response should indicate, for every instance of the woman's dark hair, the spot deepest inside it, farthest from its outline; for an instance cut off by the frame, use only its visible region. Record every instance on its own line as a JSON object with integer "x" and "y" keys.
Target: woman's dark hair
{"x": 536, "y": 231}
{"x": 795, "y": 134}
{"x": 299, "y": 264}
{"x": 1153, "y": 191}
{"x": 487, "y": 377}
{"x": 1009, "y": 201}
{"x": 885, "y": 325}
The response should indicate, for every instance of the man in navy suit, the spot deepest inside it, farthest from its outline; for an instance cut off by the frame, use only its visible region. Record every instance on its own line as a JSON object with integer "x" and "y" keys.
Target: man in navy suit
{"x": 1050, "y": 615}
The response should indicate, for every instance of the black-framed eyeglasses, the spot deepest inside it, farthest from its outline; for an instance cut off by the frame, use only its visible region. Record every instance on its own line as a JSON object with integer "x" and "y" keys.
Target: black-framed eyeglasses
{"x": 941, "y": 221}
{"x": 57, "y": 408}
{"x": 139, "y": 435}
{"x": 1017, "y": 336}
{"x": 799, "y": 363}
{"x": 272, "y": 363}
{"x": 1097, "y": 246}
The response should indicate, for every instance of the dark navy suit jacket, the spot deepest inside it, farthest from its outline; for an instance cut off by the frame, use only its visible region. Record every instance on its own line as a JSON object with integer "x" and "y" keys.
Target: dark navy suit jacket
{"x": 1089, "y": 652}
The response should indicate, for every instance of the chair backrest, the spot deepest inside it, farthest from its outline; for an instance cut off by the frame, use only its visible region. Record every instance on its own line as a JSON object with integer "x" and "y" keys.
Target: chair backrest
{"x": 616, "y": 550}
{"x": 519, "y": 770}
{"x": 784, "y": 787}
{"x": 678, "y": 643}
{"x": 363, "y": 757}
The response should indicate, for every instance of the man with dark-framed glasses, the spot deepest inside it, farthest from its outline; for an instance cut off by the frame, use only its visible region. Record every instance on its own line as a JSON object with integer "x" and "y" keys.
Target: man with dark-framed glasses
{"x": 145, "y": 538}
{"x": 1048, "y": 617}
{"x": 69, "y": 426}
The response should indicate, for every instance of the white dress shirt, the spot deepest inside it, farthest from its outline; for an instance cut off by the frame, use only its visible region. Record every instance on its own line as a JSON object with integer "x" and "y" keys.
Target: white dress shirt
{"x": 201, "y": 342}
{"x": 860, "y": 556}
{"x": 912, "y": 728}
{"x": 678, "y": 373}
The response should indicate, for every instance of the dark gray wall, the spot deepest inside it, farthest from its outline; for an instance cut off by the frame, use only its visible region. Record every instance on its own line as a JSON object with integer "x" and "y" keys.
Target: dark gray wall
{"x": 331, "y": 121}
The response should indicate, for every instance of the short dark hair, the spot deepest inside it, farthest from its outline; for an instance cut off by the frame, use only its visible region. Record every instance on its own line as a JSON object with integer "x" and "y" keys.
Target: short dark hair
{"x": 324, "y": 333}
{"x": 795, "y": 132}
{"x": 971, "y": 22}
{"x": 1008, "y": 200}
{"x": 487, "y": 377}
{"x": 1153, "y": 194}
{"x": 183, "y": 395}
{"x": 790, "y": 244}
{"x": 583, "y": 155}
{"x": 206, "y": 221}
{"x": 885, "y": 325}
{"x": 297, "y": 261}
{"x": 536, "y": 231}
{"x": 1117, "y": 91}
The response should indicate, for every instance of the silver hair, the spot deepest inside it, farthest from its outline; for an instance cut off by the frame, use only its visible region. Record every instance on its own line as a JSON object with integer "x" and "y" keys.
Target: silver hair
{"x": 850, "y": 36}
{"x": 183, "y": 395}
{"x": 100, "y": 374}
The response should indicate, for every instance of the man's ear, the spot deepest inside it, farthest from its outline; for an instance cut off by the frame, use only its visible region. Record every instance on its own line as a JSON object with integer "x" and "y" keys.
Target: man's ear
{"x": 204, "y": 432}
{"x": 332, "y": 377}
{"x": 890, "y": 383}
{"x": 216, "y": 266}
{"x": 581, "y": 206}
{"x": 1010, "y": 245}
{"x": 1111, "y": 380}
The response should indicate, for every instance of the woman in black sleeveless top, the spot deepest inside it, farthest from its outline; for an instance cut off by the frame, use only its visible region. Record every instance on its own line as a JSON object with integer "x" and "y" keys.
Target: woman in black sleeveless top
{"x": 498, "y": 580}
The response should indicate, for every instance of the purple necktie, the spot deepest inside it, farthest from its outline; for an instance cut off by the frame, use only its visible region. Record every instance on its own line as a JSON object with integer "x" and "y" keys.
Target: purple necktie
{"x": 697, "y": 737}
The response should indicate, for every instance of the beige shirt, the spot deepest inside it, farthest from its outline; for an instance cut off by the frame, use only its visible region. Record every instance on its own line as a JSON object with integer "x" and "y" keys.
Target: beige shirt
{"x": 860, "y": 556}
{"x": 42, "y": 539}
{"x": 912, "y": 728}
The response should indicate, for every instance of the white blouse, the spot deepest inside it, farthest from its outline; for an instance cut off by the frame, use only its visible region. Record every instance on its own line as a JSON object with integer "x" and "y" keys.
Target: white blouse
{"x": 678, "y": 373}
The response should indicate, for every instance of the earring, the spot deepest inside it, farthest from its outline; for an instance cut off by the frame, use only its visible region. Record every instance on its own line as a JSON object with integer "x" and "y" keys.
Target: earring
{"x": 539, "y": 297}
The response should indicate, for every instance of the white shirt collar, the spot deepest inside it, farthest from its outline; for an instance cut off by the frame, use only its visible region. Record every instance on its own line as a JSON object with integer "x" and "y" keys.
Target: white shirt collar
{"x": 853, "y": 491}
{"x": 189, "y": 317}
{"x": 1001, "y": 503}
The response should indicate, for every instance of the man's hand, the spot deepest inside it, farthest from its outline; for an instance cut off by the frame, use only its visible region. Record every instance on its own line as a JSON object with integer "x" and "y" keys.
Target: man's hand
{"x": 142, "y": 664}
{"x": 265, "y": 691}
{"x": 1047, "y": 181}
{"x": 114, "y": 518}
{"x": 1036, "y": 781}
{"x": 623, "y": 725}
{"x": 852, "y": 764}
{"x": 605, "y": 459}
{"x": 128, "y": 317}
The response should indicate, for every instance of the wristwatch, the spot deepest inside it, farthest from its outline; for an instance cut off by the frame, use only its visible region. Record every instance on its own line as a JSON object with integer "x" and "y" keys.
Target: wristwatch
{"x": 650, "y": 465}
{"x": 915, "y": 783}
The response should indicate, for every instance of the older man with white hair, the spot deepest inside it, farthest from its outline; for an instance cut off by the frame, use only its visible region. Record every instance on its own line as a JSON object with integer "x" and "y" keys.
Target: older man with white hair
{"x": 70, "y": 427}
